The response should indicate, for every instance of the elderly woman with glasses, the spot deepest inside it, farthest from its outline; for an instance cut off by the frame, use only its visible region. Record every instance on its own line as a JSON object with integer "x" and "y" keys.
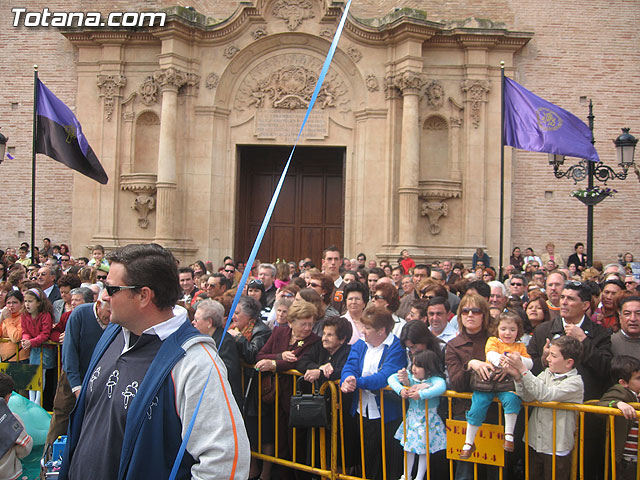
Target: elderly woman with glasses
{"x": 281, "y": 353}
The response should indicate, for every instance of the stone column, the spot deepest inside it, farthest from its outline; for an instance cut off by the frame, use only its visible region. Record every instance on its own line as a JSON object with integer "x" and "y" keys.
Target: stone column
{"x": 409, "y": 83}
{"x": 170, "y": 80}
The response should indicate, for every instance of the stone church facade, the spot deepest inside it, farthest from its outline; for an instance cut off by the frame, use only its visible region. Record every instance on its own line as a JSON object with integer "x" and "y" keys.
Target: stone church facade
{"x": 402, "y": 149}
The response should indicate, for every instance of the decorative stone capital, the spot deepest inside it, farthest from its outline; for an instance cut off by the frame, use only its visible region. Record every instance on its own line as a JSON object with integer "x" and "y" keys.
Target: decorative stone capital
{"x": 110, "y": 86}
{"x": 192, "y": 85}
{"x": 170, "y": 79}
{"x": 434, "y": 211}
{"x": 409, "y": 83}
{"x": 476, "y": 91}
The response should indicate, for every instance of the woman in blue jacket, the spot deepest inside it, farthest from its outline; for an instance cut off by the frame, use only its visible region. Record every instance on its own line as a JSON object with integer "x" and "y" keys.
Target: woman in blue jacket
{"x": 370, "y": 362}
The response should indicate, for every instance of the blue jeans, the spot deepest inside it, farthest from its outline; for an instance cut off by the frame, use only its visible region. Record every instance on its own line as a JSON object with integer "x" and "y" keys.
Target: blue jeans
{"x": 480, "y": 402}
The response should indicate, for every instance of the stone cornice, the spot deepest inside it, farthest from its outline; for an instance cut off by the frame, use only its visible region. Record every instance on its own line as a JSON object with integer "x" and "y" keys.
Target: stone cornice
{"x": 188, "y": 24}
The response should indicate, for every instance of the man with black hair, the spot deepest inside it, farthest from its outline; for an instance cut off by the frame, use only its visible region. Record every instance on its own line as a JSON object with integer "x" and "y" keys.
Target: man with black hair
{"x": 46, "y": 246}
{"x": 375, "y": 274}
{"x": 605, "y": 313}
{"x": 331, "y": 264}
{"x": 437, "y": 315}
{"x": 188, "y": 285}
{"x": 217, "y": 284}
{"x": 626, "y": 341}
{"x": 147, "y": 374}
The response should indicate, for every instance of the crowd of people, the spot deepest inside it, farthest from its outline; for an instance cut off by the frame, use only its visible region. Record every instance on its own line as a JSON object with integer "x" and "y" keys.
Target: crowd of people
{"x": 543, "y": 329}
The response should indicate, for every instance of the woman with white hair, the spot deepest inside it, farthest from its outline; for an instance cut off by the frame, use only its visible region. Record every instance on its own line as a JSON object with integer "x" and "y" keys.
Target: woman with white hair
{"x": 209, "y": 320}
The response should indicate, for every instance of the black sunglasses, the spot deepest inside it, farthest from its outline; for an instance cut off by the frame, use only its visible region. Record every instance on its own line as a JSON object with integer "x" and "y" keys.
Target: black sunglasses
{"x": 113, "y": 289}
{"x": 467, "y": 311}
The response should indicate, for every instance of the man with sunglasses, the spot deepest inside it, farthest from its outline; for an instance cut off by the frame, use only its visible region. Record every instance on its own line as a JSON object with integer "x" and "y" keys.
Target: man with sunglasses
{"x": 229, "y": 271}
{"x": 518, "y": 287}
{"x": 147, "y": 374}
{"x": 217, "y": 284}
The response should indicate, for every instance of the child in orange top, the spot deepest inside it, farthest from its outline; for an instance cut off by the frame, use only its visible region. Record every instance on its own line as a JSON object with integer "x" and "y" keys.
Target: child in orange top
{"x": 509, "y": 329}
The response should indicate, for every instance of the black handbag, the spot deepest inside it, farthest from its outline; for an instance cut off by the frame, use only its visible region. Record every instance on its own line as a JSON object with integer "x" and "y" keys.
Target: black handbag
{"x": 492, "y": 385}
{"x": 307, "y": 409}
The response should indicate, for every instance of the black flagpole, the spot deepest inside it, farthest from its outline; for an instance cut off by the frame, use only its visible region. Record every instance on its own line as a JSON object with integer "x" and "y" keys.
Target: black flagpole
{"x": 33, "y": 165}
{"x": 500, "y": 272}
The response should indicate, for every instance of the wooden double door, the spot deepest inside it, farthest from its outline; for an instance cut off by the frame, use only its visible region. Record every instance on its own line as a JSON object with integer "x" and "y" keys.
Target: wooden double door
{"x": 309, "y": 214}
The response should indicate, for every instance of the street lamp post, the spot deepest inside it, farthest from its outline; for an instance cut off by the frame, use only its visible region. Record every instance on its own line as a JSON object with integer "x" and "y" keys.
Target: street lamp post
{"x": 625, "y": 149}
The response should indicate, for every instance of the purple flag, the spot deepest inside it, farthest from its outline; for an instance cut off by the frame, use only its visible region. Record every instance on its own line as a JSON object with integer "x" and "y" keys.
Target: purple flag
{"x": 531, "y": 123}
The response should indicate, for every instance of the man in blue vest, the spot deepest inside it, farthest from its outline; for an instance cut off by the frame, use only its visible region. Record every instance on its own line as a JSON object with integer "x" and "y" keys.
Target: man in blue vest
{"x": 144, "y": 382}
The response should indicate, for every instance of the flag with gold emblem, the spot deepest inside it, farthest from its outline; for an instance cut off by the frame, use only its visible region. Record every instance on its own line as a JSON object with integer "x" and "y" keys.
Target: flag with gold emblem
{"x": 534, "y": 124}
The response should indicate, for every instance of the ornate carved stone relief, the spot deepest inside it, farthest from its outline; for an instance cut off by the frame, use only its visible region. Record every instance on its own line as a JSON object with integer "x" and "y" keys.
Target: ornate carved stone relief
{"x": 327, "y": 33}
{"x": 144, "y": 187}
{"x": 476, "y": 91}
{"x": 149, "y": 91}
{"x": 259, "y": 32}
{"x": 372, "y": 83}
{"x": 455, "y": 120}
{"x": 287, "y": 82}
{"x": 354, "y": 53}
{"x": 230, "y": 51}
{"x": 434, "y": 194}
{"x": 110, "y": 86}
{"x": 434, "y": 210}
{"x": 390, "y": 89}
{"x": 434, "y": 93}
{"x": 212, "y": 81}
{"x": 293, "y": 12}
{"x": 435, "y": 123}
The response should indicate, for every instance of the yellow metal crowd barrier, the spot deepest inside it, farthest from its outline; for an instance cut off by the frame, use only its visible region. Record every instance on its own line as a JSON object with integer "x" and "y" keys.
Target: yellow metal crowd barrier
{"x": 29, "y": 377}
{"x": 330, "y": 442}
